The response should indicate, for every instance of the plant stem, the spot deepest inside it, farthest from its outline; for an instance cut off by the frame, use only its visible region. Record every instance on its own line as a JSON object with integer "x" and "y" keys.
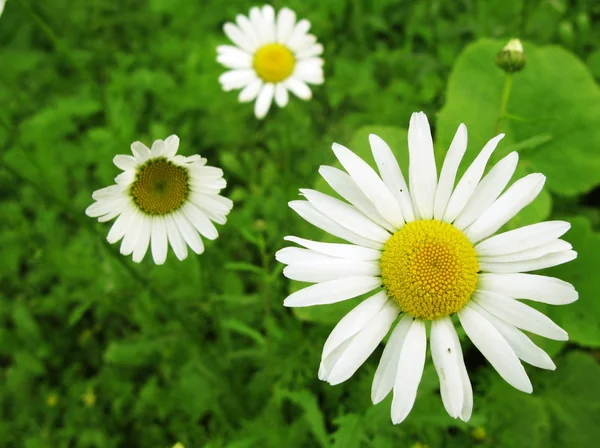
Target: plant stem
{"x": 503, "y": 101}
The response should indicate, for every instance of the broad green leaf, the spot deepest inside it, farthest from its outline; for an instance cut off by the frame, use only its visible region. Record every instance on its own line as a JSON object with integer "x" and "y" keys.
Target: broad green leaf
{"x": 554, "y": 99}
{"x": 571, "y": 397}
{"x": 514, "y": 418}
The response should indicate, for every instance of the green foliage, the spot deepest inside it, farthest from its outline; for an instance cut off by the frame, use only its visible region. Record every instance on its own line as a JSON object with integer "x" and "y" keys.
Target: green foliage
{"x": 96, "y": 351}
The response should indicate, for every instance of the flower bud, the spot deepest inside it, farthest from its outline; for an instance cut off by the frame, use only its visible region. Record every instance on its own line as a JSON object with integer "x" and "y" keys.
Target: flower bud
{"x": 511, "y": 58}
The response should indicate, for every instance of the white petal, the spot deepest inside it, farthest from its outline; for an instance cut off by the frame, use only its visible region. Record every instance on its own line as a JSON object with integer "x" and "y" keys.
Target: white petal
{"x": 263, "y": 102}
{"x": 298, "y": 88}
{"x": 236, "y": 79}
{"x": 346, "y": 215}
{"x": 296, "y": 38}
{"x": 519, "y": 195}
{"x": 143, "y": 241}
{"x": 235, "y": 59}
{"x": 246, "y": 26}
{"x": 538, "y": 288}
{"x": 158, "y": 240}
{"x": 385, "y": 376}
{"x": 370, "y": 184}
{"x": 237, "y": 36}
{"x": 296, "y": 255}
{"x": 286, "y": 20}
{"x": 488, "y": 190}
{"x": 331, "y": 270}
{"x": 410, "y": 371}
{"x": 115, "y": 212}
{"x": 140, "y": 152}
{"x": 529, "y": 254}
{"x": 175, "y": 238}
{"x": 125, "y": 179}
{"x": 343, "y": 184}
{"x": 523, "y": 347}
{"x": 467, "y": 409}
{"x": 344, "y": 251}
{"x": 494, "y": 347}
{"x": 111, "y": 192}
{"x": 468, "y": 183}
{"x": 307, "y": 41}
{"x": 309, "y": 70}
{"x": 105, "y": 206}
{"x": 307, "y": 211}
{"x": 392, "y": 175}
{"x": 546, "y": 261}
{"x": 363, "y": 344}
{"x": 522, "y": 238}
{"x": 258, "y": 25}
{"x": 120, "y": 226}
{"x": 125, "y": 162}
{"x": 520, "y": 315}
{"x": 445, "y": 358}
{"x": 200, "y": 221}
{"x": 268, "y": 16}
{"x": 448, "y": 173}
{"x": 353, "y": 322}
{"x": 250, "y": 92}
{"x": 422, "y": 171}
{"x": 171, "y": 146}
{"x": 157, "y": 149}
{"x": 189, "y": 233}
{"x": 132, "y": 233}
{"x": 310, "y": 52}
{"x": 332, "y": 291}
{"x": 281, "y": 95}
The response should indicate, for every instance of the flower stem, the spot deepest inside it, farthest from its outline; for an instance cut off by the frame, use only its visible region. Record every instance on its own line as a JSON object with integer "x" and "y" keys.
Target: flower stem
{"x": 503, "y": 101}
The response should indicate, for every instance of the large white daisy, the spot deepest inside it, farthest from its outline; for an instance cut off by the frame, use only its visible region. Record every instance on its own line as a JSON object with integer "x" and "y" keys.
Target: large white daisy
{"x": 427, "y": 252}
{"x": 272, "y": 54}
{"x": 162, "y": 198}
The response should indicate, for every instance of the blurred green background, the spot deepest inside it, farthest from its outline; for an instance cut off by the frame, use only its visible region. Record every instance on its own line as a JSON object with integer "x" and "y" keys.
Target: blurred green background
{"x": 96, "y": 351}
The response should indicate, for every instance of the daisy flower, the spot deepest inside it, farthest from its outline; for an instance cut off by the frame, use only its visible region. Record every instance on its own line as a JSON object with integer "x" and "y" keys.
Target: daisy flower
{"x": 162, "y": 198}
{"x": 426, "y": 251}
{"x": 273, "y": 54}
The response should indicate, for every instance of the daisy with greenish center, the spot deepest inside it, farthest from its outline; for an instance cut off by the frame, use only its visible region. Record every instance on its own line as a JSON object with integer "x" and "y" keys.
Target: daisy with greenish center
{"x": 162, "y": 198}
{"x": 273, "y": 54}
{"x": 426, "y": 251}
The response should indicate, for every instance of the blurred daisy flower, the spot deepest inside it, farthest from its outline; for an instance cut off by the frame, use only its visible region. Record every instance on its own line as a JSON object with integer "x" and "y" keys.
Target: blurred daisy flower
{"x": 273, "y": 54}
{"x": 162, "y": 198}
{"x": 2, "y": 3}
{"x": 427, "y": 251}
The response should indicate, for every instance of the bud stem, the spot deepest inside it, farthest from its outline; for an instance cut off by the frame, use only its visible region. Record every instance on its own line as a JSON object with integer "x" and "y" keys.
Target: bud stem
{"x": 504, "y": 101}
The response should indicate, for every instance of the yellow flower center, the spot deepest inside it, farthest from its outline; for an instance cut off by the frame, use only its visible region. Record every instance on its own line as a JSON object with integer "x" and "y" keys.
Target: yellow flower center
{"x": 160, "y": 187}
{"x": 429, "y": 268}
{"x": 274, "y": 62}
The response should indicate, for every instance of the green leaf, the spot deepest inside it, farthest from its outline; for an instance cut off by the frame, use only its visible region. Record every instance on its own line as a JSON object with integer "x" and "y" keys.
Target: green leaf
{"x": 312, "y": 413}
{"x": 582, "y": 318}
{"x": 556, "y": 95}
{"x": 571, "y": 397}
{"x": 349, "y": 433}
{"x": 514, "y": 418}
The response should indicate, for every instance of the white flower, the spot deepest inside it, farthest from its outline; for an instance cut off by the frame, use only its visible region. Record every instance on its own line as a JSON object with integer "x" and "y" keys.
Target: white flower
{"x": 162, "y": 198}
{"x": 427, "y": 252}
{"x": 272, "y": 54}
{"x": 2, "y": 4}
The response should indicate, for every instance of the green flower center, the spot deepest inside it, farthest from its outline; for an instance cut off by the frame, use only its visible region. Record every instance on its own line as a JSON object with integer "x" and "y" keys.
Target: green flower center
{"x": 160, "y": 187}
